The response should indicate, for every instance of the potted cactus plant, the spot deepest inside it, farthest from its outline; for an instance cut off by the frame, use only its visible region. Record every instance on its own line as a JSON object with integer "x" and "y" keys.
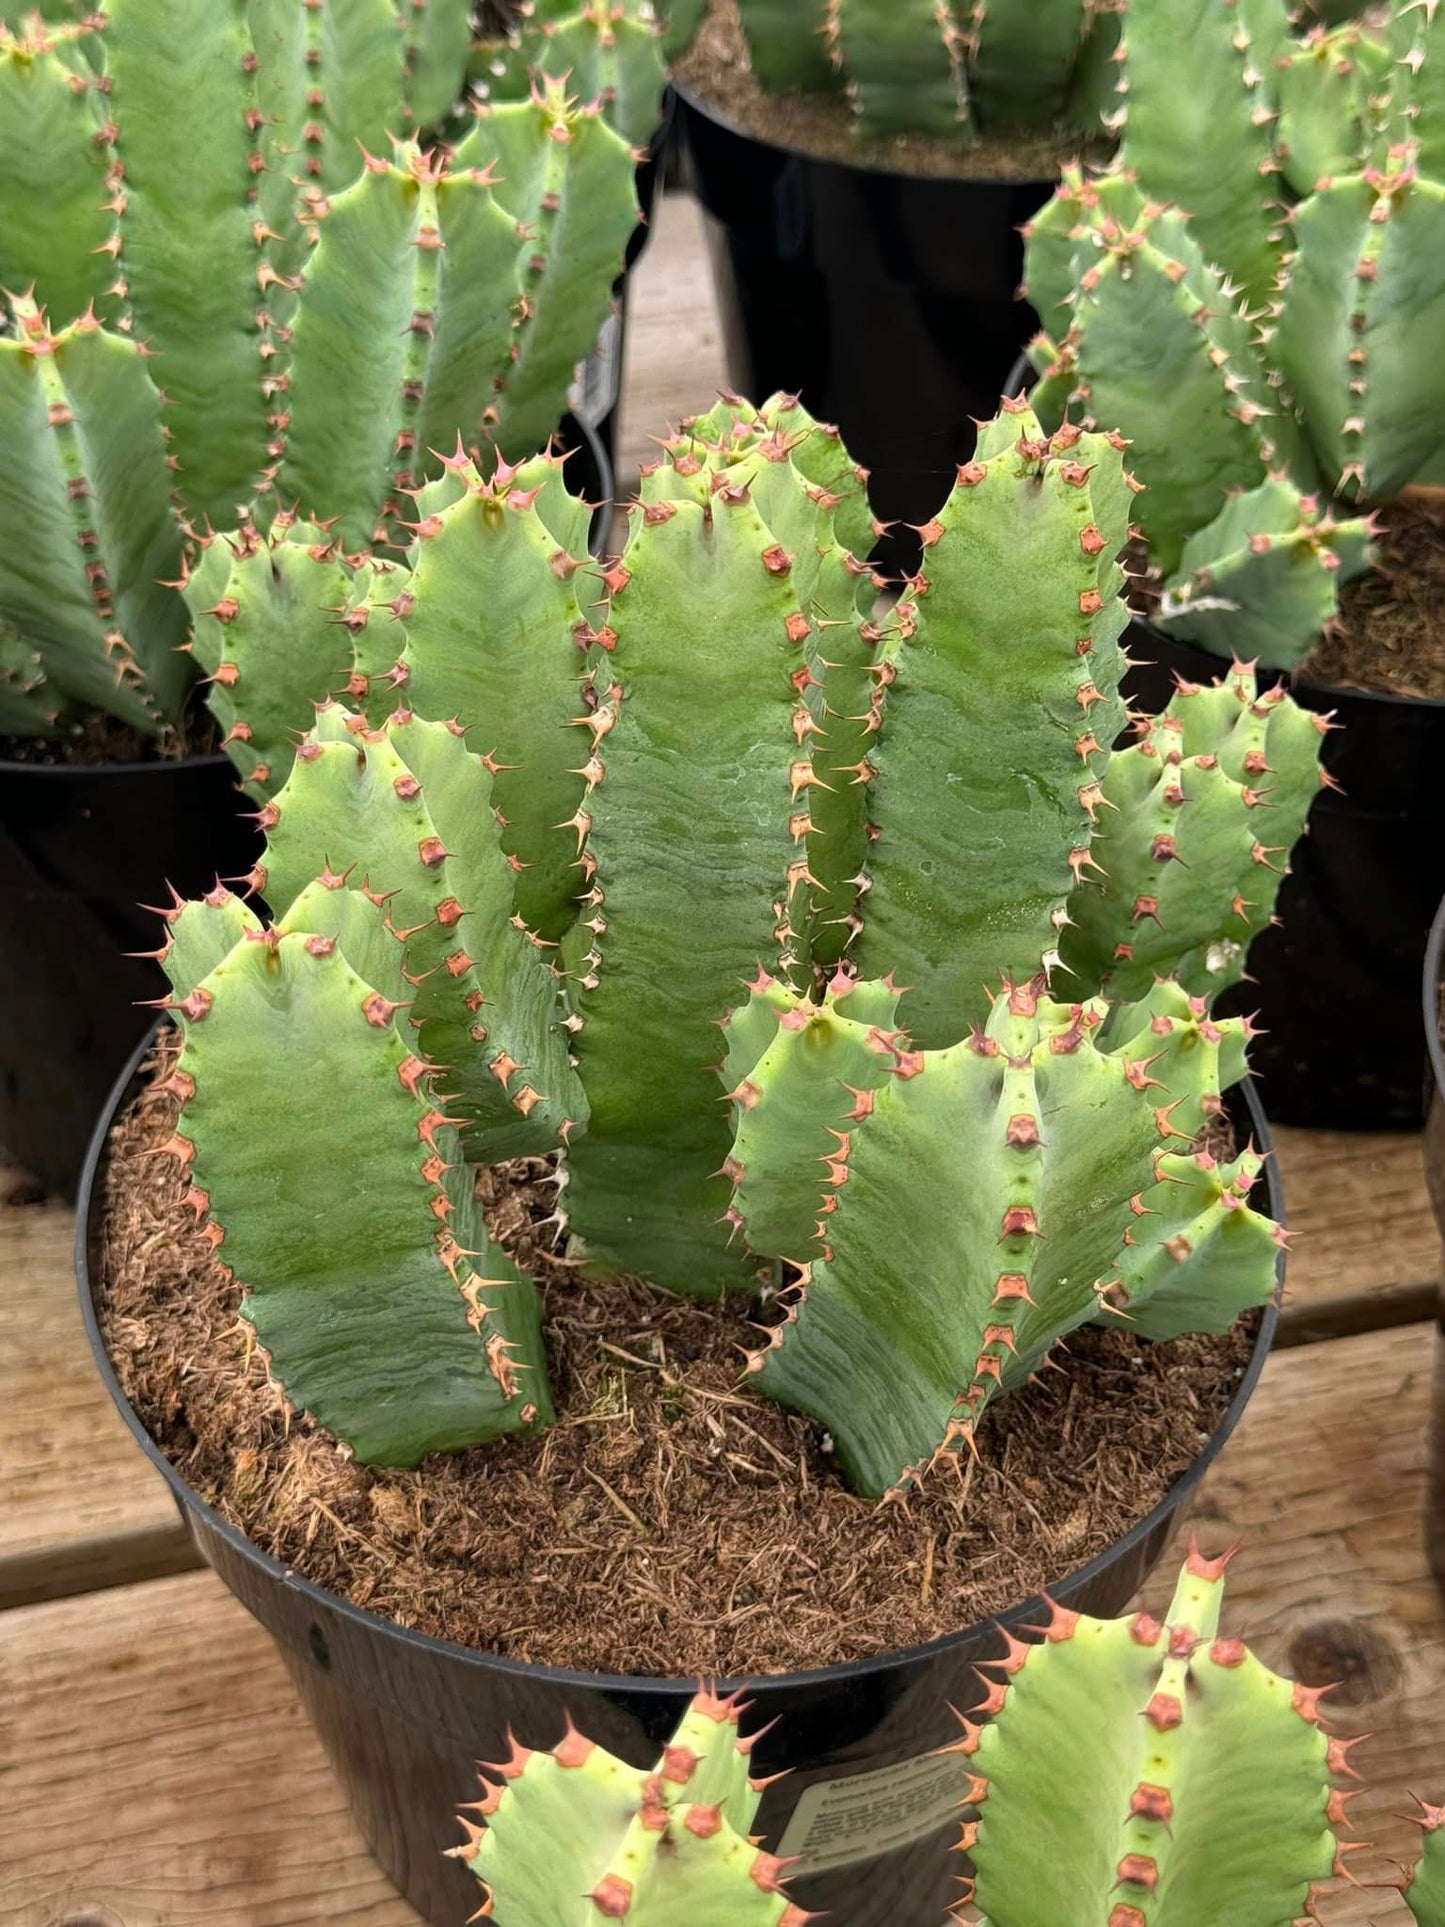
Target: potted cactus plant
{"x": 236, "y": 303}
{"x": 804, "y": 941}
{"x": 1183, "y": 1730}
{"x": 864, "y": 169}
{"x": 1258, "y": 309}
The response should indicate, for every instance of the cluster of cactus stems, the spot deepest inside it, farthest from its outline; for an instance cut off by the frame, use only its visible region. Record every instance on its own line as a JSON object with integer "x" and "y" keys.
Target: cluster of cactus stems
{"x": 612, "y": 51}
{"x": 248, "y": 290}
{"x": 807, "y": 929}
{"x": 947, "y": 68}
{"x": 1254, "y": 294}
{"x": 1171, "y": 1776}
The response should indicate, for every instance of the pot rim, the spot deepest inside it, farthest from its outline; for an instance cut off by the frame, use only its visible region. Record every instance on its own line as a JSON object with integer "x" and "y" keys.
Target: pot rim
{"x": 1434, "y": 965}
{"x": 1019, "y": 382}
{"x": 1168, "y": 1507}
{"x": 598, "y": 537}
{"x": 698, "y": 104}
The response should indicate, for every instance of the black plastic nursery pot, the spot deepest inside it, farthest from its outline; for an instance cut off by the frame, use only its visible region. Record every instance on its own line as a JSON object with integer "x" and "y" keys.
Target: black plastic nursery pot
{"x": 82, "y": 848}
{"x": 1336, "y": 983}
{"x": 868, "y": 1804}
{"x": 887, "y": 301}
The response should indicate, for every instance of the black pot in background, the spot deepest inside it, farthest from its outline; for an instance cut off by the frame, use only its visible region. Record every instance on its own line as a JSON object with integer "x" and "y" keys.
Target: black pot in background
{"x": 1337, "y": 982}
{"x": 82, "y": 849}
{"x": 887, "y": 301}
{"x": 404, "y": 1718}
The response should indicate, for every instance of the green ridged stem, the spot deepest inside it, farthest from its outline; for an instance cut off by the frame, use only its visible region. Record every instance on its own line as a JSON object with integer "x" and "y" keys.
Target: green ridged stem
{"x": 1014, "y": 624}
{"x": 805, "y": 485}
{"x": 380, "y": 1305}
{"x": 575, "y": 1836}
{"x": 786, "y": 45}
{"x": 1416, "y": 47}
{"x": 609, "y": 52}
{"x": 797, "y": 1074}
{"x": 1191, "y": 1741}
{"x": 490, "y": 629}
{"x": 1194, "y": 828}
{"x": 1152, "y": 345}
{"x": 437, "y": 44}
{"x": 905, "y": 69}
{"x": 405, "y": 812}
{"x": 1025, "y": 59}
{"x": 91, "y": 538}
{"x": 185, "y": 249}
{"x": 1325, "y": 88}
{"x": 1425, "y": 1882}
{"x": 1360, "y": 325}
{"x": 701, "y": 769}
{"x": 955, "y": 1256}
{"x": 54, "y": 161}
{"x": 1263, "y": 579}
{"x": 406, "y": 313}
{"x": 1199, "y": 125}
{"x": 29, "y": 705}
{"x": 569, "y": 181}
{"x": 269, "y": 630}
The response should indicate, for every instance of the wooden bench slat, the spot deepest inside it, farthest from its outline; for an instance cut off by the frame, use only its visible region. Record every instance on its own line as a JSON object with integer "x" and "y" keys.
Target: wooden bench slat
{"x": 162, "y": 1775}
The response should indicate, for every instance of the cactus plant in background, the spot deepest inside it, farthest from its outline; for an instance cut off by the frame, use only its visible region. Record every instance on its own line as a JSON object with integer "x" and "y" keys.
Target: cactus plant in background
{"x": 1188, "y": 1740}
{"x": 611, "y": 51}
{"x": 574, "y": 1835}
{"x": 950, "y": 70}
{"x": 302, "y": 314}
{"x": 1271, "y": 360}
{"x": 621, "y": 870}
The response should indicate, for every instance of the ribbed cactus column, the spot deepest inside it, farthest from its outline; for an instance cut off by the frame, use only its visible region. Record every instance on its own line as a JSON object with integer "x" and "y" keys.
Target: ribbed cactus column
{"x": 1197, "y": 84}
{"x": 696, "y": 829}
{"x": 1190, "y": 1741}
{"x": 905, "y": 64}
{"x": 380, "y": 1305}
{"x": 408, "y": 810}
{"x": 1014, "y": 623}
{"x": 54, "y": 223}
{"x": 575, "y": 1836}
{"x": 1361, "y": 320}
{"x": 949, "y": 1253}
{"x": 187, "y": 243}
{"x": 91, "y": 541}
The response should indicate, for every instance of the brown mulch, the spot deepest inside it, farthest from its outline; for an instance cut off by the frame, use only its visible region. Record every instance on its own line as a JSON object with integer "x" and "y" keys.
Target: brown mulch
{"x": 1391, "y": 633}
{"x": 716, "y": 68}
{"x": 96, "y": 738}
{"x": 670, "y": 1523}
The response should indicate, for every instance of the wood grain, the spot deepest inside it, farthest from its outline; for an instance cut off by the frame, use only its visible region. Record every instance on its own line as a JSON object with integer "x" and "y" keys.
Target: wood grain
{"x": 674, "y": 355}
{"x": 159, "y": 1774}
{"x": 79, "y": 1506}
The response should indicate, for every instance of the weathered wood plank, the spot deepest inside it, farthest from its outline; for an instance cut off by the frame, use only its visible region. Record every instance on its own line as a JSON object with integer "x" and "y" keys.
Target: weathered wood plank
{"x": 1361, "y": 1230}
{"x": 79, "y": 1506}
{"x": 160, "y": 1774}
{"x": 674, "y": 363}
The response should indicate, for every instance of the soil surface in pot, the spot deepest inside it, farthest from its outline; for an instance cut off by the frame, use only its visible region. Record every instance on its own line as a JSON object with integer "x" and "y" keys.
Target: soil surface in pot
{"x": 716, "y": 68}
{"x": 96, "y": 738}
{"x": 670, "y": 1523}
{"x": 1391, "y": 635}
